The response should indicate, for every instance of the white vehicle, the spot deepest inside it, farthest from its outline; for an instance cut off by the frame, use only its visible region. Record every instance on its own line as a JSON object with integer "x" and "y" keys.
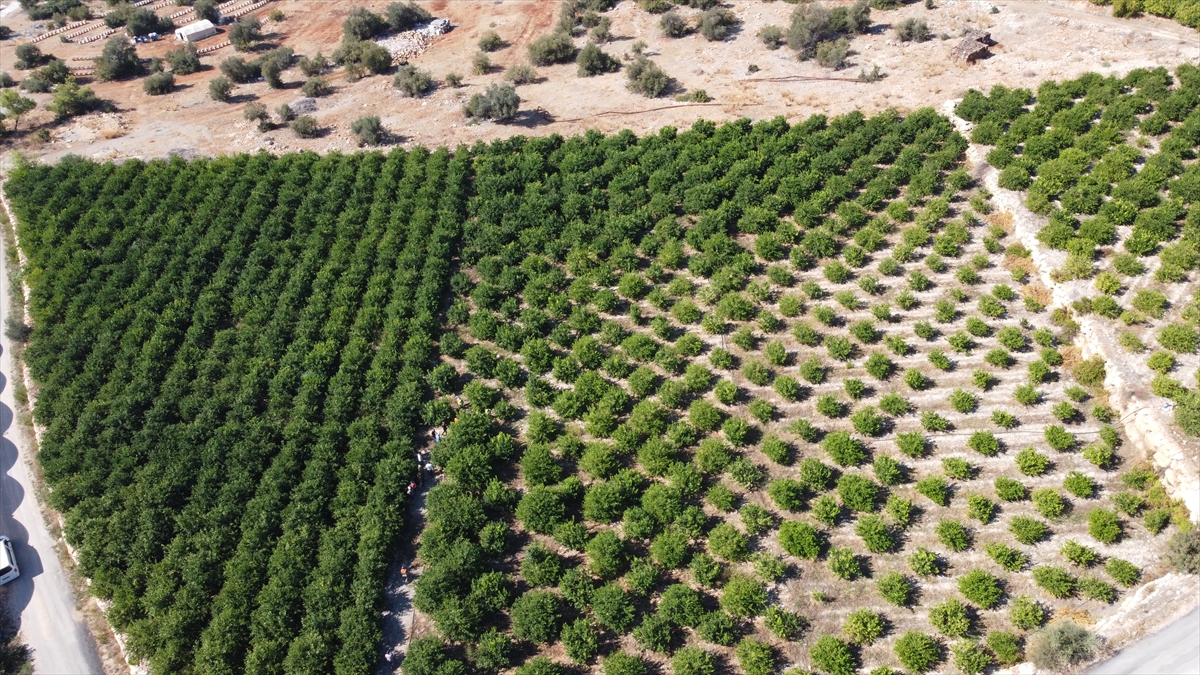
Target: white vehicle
{"x": 8, "y": 562}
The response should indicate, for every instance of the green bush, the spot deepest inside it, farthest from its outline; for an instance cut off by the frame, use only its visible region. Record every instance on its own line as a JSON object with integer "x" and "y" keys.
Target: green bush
{"x": 1004, "y": 419}
{"x": 580, "y": 641}
{"x": 693, "y": 661}
{"x": 844, "y": 449}
{"x": 499, "y": 103}
{"x": 550, "y": 49}
{"x": 1027, "y": 394}
{"x": 1060, "y": 646}
{"x": 1080, "y": 485}
{"x": 901, "y": 510}
{"x": 755, "y": 657}
{"x": 918, "y": 652}
{"x": 654, "y": 633}
{"x": 1054, "y": 580}
{"x": 541, "y": 566}
{"x": 985, "y": 443}
{"x": 606, "y": 555}
{"x": 1006, "y": 556}
{"x": 887, "y": 470}
{"x": 1049, "y": 502}
{"x": 1059, "y": 438}
{"x": 1005, "y": 646}
{"x": 787, "y": 494}
{"x": 1031, "y": 462}
{"x": 863, "y": 626}
{"x": 844, "y": 564}
{"x": 867, "y": 421}
{"x": 714, "y": 23}
{"x": 646, "y": 78}
{"x": 858, "y": 493}
{"x": 1079, "y": 554}
{"x": 368, "y": 130}
{"x": 912, "y": 443}
{"x": 783, "y": 624}
{"x": 925, "y": 562}
{"x": 876, "y": 535}
{"x": 951, "y": 618}
{"x": 412, "y": 81}
{"x": 725, "y": 541}
{"x": 916, "y": 380}
{"x": 970, "y": 657}
{"x": 736, "y": 431}
{"x": 963, "y": 401}
{"x": 801, "y": 539}
{"x": 1027, "y": 530}
{"x": 895, "y": 589}
{"x": 833, "y": 656}
{"x": 595, "y": 61}
{"x": 1010, "y": 490}
{"x": 1091, "y": 587}
{"x": 537, "y": 617}
{"x": 1090, "y": 373}
{"x": 959, "y": 468}
{"x": 953, "y": 535}
{"x": 980, "y": 588}
{"x": 743, "y": 596}
{"x": 1104, "y": 526}
{"x": 642, "y": 576}
{"x": 936, "y": 489}
{"x": 932, "y": 421}
{"x": 1026, "y": 614}
{"x": 159, "y": 84}
{"x": 913, "y": 29}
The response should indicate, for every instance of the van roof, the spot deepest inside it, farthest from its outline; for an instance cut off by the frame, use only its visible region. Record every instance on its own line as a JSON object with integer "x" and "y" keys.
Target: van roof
{"x": 5, "y": 554}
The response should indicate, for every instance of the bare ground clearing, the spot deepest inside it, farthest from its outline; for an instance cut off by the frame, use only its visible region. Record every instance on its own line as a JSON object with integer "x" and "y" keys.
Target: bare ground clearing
{"x": 1037, "y": 40}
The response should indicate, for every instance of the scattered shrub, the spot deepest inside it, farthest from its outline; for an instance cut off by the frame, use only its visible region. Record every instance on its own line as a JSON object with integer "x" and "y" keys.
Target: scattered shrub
{"x": 305, "y": 127}
{"x": 1183, "y": 551}
{"x": 551, "y": 49}
{"x": 1060, "y": 646}
{"x": 913, "y": 30}
{"x": 646, "y": 78}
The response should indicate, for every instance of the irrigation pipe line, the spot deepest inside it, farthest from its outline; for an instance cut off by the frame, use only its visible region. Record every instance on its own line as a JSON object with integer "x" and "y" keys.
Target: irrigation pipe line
{"x": 638, "y": 112}
{"x": 803, "y": 78}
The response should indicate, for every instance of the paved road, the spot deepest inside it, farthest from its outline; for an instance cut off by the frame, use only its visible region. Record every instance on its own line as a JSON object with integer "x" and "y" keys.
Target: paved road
{"x": 1175, "y": 650}
{"x": 50, "y": 623}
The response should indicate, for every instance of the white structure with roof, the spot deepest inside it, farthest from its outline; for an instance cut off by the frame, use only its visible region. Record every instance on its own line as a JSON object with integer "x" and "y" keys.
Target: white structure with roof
{"x": 195, "y": 32}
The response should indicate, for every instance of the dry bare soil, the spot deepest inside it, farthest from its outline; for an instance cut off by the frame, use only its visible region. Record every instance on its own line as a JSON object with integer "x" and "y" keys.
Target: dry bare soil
{"x": 1038, "y": 40}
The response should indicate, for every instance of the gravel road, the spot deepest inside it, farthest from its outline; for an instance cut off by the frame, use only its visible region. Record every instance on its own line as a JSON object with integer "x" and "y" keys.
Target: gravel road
{"x": 49, "y": 621}
{"x": 1175, "y": 650}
